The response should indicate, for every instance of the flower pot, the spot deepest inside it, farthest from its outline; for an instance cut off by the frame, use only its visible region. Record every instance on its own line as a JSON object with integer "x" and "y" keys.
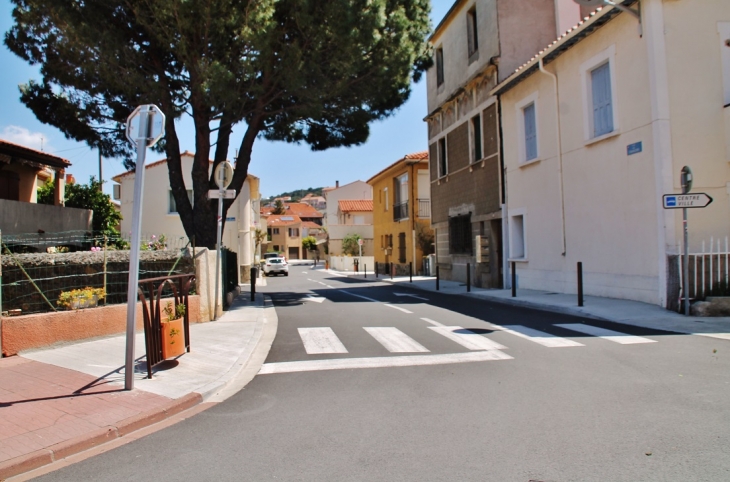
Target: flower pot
{"x": 173, "y": 337}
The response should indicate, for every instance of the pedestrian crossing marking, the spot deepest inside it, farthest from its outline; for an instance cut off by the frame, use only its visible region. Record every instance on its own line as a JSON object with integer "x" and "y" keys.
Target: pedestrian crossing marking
{"x": 399, "y": 308}
{"x": 540, "y": 337}
{"x": 382, "y": 362}
{"x": 610, "y": 335}
{"x": 321, "y": 340}
{"x": 467, "y": 338}
{"x": 394, "y": 340}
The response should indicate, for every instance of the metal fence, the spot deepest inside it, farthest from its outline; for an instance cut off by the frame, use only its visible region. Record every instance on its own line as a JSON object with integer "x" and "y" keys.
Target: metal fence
{"x": 708, "y": 269}
{"x": 40, "y": 271}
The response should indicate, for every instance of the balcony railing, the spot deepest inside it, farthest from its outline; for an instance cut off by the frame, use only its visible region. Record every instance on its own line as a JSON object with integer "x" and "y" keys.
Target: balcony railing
{"x": 400, "y": 211}
{"x": 424, "y": 208}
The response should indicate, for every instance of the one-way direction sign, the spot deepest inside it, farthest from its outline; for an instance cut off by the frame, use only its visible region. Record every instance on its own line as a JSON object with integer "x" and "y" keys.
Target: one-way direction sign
{"x": 678, "y": 201}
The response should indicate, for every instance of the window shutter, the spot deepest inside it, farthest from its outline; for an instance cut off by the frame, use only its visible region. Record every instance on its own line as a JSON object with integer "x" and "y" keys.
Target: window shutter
{"x": 602, "y": 105}
{"x": 530, "y": 132}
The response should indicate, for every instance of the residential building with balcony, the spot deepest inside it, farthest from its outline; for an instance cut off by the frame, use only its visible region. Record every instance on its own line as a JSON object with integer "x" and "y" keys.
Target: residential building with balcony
{"x": 596, "y": 128}
{"x": 476, "y": 45}
{"x": 402, "y": 212}
{"x": 340, "y": 223}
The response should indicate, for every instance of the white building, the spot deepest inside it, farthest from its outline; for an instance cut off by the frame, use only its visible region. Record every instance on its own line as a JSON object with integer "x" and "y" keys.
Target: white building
{"x": 339, "y": 226}
{"x": 160, "y": 217}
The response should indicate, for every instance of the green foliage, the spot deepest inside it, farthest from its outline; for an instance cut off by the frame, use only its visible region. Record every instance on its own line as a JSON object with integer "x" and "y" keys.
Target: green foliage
{"x": 317, "y": 72}
{"x": 89, "y": 196}
{"x": 425, "y": 238}
{"x": 45, "y": 193}
{"x": 350, "y": 246}
{"x": 174, "y": 314}
{"x": 279, "y": 207}
{"x": 298, "y": 194}
{"x": 309, "y": 243}
{"x": 80, "y": 298}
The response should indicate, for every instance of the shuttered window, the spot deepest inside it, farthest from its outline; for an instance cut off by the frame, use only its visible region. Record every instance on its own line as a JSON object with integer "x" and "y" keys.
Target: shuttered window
{"x": 530, "y": 132}
{"x": 602, "y": 100}
{"x": 471, "y": 32}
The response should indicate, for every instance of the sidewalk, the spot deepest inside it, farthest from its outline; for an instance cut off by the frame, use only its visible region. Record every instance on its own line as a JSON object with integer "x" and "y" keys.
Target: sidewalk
{"x": 64, "y": 400}
{"x": 608, "y": 309}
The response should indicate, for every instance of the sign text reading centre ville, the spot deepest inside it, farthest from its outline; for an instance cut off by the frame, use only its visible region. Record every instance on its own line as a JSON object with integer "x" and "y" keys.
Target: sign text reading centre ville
{"x": 678, "y": 201}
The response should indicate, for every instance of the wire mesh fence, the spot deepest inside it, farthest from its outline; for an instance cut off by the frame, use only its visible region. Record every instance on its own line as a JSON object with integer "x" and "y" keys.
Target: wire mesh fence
{"x": 44, "y": 272}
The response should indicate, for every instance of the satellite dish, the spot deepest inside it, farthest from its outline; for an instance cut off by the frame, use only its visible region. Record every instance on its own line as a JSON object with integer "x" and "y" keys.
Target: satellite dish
{"x": 590, "y": 3}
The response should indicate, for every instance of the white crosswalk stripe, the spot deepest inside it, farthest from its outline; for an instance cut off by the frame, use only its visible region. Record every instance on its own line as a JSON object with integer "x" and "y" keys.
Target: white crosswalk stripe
{"x": 540, "y": 337}
{"x": 467, "y": 338}
{"x": 610, "y": 335}
{"x": 321, "y": 340}
{"x": 394, "y": 340}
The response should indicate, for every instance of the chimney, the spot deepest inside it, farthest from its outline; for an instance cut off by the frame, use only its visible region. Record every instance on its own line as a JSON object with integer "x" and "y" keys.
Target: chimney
{"x": 337, "y": 184}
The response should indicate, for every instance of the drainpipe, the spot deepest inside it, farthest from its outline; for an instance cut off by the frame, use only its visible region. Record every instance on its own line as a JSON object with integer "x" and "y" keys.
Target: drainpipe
{"x": 560, "y": 149}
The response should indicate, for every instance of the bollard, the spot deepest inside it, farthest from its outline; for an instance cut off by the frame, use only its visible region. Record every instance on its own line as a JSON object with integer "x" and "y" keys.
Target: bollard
{"x": 253, "y": 283}
{"x": 376, "y": 269}
{"x": 580, "y": 283}
{"x": 391, "y": 270}
{"x": 437, "y": 278}
{"x": 514, "y": 280}
{"x": 468, "y": 277}
{"x": 365, "y": 270}
{"x": 410, "y": 271}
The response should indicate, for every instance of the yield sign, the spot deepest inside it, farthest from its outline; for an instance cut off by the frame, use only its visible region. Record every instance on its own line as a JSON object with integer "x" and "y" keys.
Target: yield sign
{"x": 679, "y": 201}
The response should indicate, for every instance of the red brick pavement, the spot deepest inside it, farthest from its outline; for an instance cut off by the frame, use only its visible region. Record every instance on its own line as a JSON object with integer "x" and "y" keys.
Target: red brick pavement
{"x": 43, "y": 405}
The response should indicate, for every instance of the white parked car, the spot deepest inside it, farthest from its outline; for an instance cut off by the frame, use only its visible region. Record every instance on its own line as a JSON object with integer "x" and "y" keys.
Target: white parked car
{"x": 276, "y": 266}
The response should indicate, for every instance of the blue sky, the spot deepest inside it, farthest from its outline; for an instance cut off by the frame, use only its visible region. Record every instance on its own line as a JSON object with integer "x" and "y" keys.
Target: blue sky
{"x": 281, "y": 167}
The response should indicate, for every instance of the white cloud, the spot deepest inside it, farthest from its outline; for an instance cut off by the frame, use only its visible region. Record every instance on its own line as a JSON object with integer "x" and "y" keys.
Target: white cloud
{"x": 24, "y": 137}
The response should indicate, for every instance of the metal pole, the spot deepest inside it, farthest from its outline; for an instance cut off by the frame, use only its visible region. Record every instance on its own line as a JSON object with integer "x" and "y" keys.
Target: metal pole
{"x": 376, "y": 269}
{"x": 580, "y": 283}
{"x": 410, "y": 271}
{"x": 514, "y": 280}
{"x": 468, "y": 277}
{"x": 391, "y": 270}
{"x": 221, "y": 177}
{"x": 1, "y": 294}
{"x": 105, "y": 246}
{"x": 254, "y": 274}
{"x": 437, "y": 277}
{"x": 134, "y": 253}
{"x": 685, "y": 262}
{"x": 101, "y": 174}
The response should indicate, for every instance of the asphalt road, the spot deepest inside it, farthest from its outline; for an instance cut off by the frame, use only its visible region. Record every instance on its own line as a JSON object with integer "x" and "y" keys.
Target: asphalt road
{"x": 367, "y": 381}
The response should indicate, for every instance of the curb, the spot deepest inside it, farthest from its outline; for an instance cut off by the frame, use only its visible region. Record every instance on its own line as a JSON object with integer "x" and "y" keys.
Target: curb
{"x": 61, "y": 450}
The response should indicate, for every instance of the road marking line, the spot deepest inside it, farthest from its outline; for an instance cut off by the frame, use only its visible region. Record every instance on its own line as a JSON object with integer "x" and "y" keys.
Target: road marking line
{"x": 540, "y": 337}
{"x": 433, "y": 322}
{"x": 321, "y": 340}
{"x": 328, "y": 286}
{"x": 359, "y": 296}
{"x": 412, "y": 296}
{"x": 467, "y": 338}
{"x": 382, "y": 362}
{"x": 399, "y": 308}
{"x": 610, "y": 335}
{"x": 323, "y": 284}
{"x": 394, "y": 340}
{"x": 316, "y": 299}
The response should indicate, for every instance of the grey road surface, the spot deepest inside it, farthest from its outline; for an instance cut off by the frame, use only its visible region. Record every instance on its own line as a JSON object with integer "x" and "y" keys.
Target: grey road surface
{"x": 370, "y": 382}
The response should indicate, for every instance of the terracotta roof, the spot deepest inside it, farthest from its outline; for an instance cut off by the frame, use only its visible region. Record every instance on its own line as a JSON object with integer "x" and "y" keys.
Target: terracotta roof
{"x": 416, "y": 156}
{"x": 26, "y": 153}
{"x": 310, "y": 224}
{"x": 351, "y": 205}
{"x": 282, "y": 220}
{"x": 302, "y": 210}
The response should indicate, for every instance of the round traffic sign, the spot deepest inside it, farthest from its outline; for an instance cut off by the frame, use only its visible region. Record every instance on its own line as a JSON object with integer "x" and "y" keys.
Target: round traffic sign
{"x": 685, "y": 179}
{"x": 223, "y": 174}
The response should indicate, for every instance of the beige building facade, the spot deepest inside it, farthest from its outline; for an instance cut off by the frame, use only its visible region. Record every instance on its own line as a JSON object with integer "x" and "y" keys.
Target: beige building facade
{"x": 596, "y": 128}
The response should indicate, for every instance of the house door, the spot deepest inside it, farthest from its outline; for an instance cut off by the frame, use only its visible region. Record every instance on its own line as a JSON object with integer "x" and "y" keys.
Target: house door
{"x": 402, "y": 247}
{"x": 293, "y": 253}
{"x": 496, "y": 254}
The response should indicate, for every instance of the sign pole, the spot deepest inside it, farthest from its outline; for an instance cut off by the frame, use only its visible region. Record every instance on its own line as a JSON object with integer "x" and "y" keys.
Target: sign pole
{"x": 221, "y": 189}
{"x": 134, "y": 252}
{"x": 685, "y": 263}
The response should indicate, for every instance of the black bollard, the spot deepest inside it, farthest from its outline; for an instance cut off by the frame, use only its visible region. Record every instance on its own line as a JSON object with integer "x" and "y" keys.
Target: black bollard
{"x": 437, "y": 278}
{"x": 253, "y": 283}
{"x": 410, "y": 271}
{"x": 391, "y": 270}
{"x": 468, "y": 277}
{"x": 365, "y": 270}
{"x": 514, "y": 281}
{"x": 376, "y": 269}
{"x": 580, "y": 283}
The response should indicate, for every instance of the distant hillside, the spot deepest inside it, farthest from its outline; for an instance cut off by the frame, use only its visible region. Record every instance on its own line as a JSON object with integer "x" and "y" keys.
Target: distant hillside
{"x": 300, "y": 193}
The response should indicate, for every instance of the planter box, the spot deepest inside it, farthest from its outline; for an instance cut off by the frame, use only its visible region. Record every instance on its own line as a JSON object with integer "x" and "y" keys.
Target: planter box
{"x": 173, "y": 337}
{"x": 46, "y": 329}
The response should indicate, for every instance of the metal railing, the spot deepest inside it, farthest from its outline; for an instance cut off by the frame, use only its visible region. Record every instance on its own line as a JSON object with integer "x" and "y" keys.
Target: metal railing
{"x": 424, "y": 208}
{"x": 400, "y": 211}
